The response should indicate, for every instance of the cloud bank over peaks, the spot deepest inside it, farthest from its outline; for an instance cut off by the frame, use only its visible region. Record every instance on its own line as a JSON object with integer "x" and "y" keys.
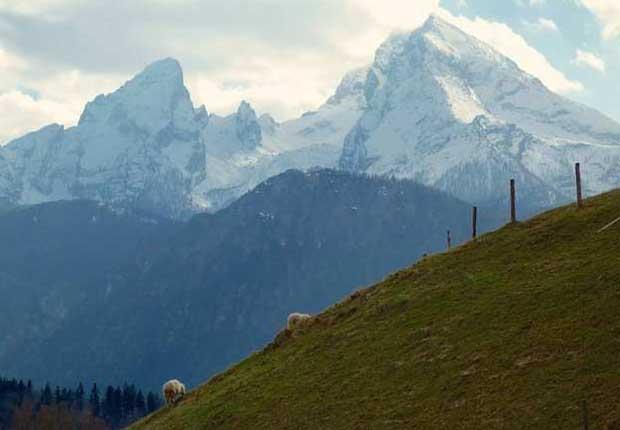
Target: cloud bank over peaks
{"x": 284, "y": 57}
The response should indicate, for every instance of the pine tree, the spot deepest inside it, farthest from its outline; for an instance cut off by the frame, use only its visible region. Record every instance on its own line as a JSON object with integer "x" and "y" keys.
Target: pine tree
{"x": 108, "y": 404}
{"x": 67, "y": 396}
{"x": 79, "y": 397}
{"x": 129, "y": 401}
{"x": 118, "y": 405}
{"x": 152, "y": 402}
{"x": 94, "y": 401}
{"x": 46, "y": 395}
{"x": 21, "y": 392}
{"x": 57, "y": 395}
{"x": 140, "y": 404}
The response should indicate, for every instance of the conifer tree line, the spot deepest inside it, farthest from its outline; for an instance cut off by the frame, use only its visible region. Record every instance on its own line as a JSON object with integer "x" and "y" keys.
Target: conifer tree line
{"x": 23, "y": 407}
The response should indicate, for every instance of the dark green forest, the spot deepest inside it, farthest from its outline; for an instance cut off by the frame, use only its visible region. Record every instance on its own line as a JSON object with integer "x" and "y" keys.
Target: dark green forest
{"x": 26, "y": 407}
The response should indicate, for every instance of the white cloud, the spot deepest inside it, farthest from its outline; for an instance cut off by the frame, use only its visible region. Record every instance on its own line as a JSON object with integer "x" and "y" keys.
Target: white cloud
{"x": 608, "y": 13}
{"x": 524, "y": 3}
{"x": 269, "y": 84}
{"x": 10, "y": 63}
{"x": 19, "y": 112}
{"x": 514, "y": 46}
{"x": 396, "y": 14}
{"x": 284, "y": 64}
{"x": 547, "y": 24}
{"x": 283, "y": 57}
{"x": 588, "y": 59}
{"x": 542, "y": 24}
{"x": 47, "y": 9}
{"x": 28, "y": 102}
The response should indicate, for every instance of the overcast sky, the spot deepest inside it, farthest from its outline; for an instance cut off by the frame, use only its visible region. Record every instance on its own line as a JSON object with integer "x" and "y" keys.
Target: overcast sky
{"x": 283, "y": 56}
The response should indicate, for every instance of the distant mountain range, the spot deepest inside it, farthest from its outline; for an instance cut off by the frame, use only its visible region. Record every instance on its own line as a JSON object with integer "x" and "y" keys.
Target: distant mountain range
{"x": 95, "y": 294}
{"x": 58, "y": 257}
{"x": 436, "y": 105}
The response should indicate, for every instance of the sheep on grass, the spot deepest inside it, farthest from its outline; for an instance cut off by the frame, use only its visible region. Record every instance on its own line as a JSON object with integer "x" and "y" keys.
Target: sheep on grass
{"x": 173, "y": 391}
{"x": 295, "y": 319}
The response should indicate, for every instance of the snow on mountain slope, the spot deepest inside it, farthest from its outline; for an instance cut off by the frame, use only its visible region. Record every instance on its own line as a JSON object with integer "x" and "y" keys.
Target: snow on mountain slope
{"x": 7, "y": 185}
{"x": 233, "y": 166}
{"x": 449, "y": 111}
{"x": 139, "y": 146}
{"x": 146, "y": 146}
{"x": 437, "y": 105}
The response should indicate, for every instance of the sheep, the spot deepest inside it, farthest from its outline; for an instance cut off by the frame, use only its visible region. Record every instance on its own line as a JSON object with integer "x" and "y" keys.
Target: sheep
{"x": 173, "y": 391}
{"x": 296, "y": 319}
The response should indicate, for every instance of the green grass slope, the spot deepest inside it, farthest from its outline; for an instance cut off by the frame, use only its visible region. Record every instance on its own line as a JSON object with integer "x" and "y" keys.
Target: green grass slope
{"x": 511, "y": 331}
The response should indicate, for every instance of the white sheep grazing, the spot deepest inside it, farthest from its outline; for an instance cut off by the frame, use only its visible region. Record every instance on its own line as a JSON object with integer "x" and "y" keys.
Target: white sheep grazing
{"x": 296, "y": 319}
{"x": 173, "y": 391}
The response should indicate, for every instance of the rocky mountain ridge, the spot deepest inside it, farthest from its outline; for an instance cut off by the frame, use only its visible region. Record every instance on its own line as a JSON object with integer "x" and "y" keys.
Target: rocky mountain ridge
{"x": 436, "y": 105}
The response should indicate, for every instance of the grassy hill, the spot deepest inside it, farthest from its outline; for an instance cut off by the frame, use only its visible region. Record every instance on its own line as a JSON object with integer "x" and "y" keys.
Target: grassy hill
{"x": 511, "y": 331}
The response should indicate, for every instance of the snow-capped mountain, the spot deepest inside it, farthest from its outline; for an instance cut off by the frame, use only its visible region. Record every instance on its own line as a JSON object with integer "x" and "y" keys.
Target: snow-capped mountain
{"x": 146, "y": 146}
{"x": 141, "y": 145}
{"x": 243, "y": 150}
{"x": 437, "y": 105}
{"x": 449, "y": 111}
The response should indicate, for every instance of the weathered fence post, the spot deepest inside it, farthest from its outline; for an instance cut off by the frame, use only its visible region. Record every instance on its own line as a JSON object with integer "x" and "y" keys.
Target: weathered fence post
{"x": 578, "y": 181}
{"x": 474, "y": 222}
{"x": 585, "y": 417}
{"x": 449, "y": 240}
{"x": 513, "y": 205}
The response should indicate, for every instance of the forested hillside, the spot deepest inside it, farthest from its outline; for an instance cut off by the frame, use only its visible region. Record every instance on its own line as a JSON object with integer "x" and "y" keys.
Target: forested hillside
{"x": 145, "y": 302}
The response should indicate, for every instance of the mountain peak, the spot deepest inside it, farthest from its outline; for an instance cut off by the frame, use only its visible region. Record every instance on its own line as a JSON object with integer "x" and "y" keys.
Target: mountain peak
{"x": 246, "y": 112}
{"x": 351, "y": 86}
{"x": 448, "y": 40}
{"x": 162, "y": 70}
{"x": 247, "y": 128}
{"x": 151, "y": 99}
{"x": 436, "y": 23}
{"x": 159, "y": 75}
{"x": 267, "y": 123}
{"x": 441, "y": 43}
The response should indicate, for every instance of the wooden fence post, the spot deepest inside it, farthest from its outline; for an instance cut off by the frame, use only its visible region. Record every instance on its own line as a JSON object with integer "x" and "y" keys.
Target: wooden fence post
{"x": 513, "y": 205}
{"x": 585, "y": 417}
{"x": 474, "y": 222}
{"x": 449, "y": 240}
{"x": 578, "y": 183}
